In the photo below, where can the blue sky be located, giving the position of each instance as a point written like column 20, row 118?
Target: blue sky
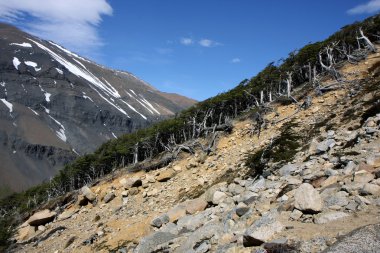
column 197, row 48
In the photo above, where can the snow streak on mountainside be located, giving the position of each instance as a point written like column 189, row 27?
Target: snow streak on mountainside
column 56, row 105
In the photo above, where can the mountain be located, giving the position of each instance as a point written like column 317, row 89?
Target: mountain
column 56, row 105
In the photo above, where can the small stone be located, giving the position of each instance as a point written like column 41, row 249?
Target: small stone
column 241, row 209
column 296, row 214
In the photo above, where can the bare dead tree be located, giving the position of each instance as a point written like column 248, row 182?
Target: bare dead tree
column 370, row 46
column 289, row 81
column 330, row 65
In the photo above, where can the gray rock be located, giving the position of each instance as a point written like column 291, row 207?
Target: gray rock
column 88, row 193
column 41, row 217
column 259, row 185
column 323, row 218
column 193, row 222
column 235, row 189
column 249, row 197
column 159, row 221
column 307, row 199
column 287, row 170
column 264, row 228
column 218, row 197
column 350, row 168
column 337, row 199
column 296, row 214
column 370, row 189
column 153, row 241
column 241, row 209
column 352, row 206
column 109, row 196
column 195, row 239
column 364, row 239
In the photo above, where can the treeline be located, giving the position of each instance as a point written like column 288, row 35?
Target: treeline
column 301, row 67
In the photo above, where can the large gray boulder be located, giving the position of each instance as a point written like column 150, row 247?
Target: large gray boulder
column 153, row 242
column 86, row 191
column 41, row 218
column 364, row 239
column 323, row 218
column 307, row 199
column 264, row 228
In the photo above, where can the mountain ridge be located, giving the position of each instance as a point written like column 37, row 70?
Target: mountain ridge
column 76, row 103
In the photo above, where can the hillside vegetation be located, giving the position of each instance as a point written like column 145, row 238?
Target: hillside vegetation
column 303, row 69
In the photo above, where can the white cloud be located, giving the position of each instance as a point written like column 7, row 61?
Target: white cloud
column 371, row 7
column 208, row 43
column 186, row 41
column 235, row 60
column 72, row 23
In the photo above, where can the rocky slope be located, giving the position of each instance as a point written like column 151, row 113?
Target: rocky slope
column 56, row 105
column 212, row 203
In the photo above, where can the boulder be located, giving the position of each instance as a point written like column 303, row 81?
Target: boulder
column 374, row 161
column 307, row 199
column 153, row 241
column 363, row 177
column 130, row 182
column 327, row 217
column 109, row 196
column 218, row 197
column 86, row 191
column 165, row 175
column 259, row 185
column 287, row 169
column 370, row 189
column 264, row 228
column 364, row 239
column 195, row 205
column 41, row 217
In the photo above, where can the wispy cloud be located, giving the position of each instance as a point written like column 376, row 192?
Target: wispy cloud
column 71, row 23
column 236, row 60
column 208, row 43
column 186, row 41
column 368, row 8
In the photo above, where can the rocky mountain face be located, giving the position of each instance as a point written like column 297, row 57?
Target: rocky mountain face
column 56, row 105
column 326, row 197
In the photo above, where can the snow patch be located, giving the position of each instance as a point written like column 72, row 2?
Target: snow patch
column 87, row 97
column 80, row 72
column 149, row 104
column 36, row 113
column 2, row 84
column 16, row 62
column 114, row 135
column 7, row 104
column 61, row 132
column 14, row 151
column 24, row 44
column 32, row 64
column 47, row 97
column 133, row 109
column 46, row 109
column 59, row 71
